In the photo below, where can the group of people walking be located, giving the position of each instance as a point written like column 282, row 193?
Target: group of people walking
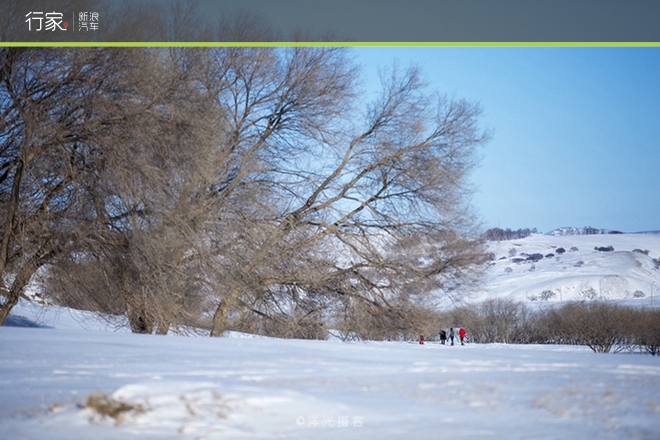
column 461, row 335
column 452, row 335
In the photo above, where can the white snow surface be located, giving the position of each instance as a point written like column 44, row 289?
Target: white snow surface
column 245, row 387
column 621, row 275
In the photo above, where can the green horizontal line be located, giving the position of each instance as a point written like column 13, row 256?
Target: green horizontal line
column 325, row 44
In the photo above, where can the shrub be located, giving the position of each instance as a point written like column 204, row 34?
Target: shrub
column 602, row 326
column 649, row 331
column 594, row 324
column 497, row 320
column 107, row 406
column 589, row 293
column 560, row 250
column 604, row 248
column 547, row 295
column 282, row 326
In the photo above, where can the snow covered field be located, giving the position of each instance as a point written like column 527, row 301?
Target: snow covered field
column 242, row 387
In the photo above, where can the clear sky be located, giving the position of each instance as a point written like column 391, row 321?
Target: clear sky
column 576, row 130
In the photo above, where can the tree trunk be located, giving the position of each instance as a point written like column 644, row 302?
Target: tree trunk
column 14, row 294
column 11, row 216
column 10, row 301
column 139, row 320
column 163, row 327
column 220, row 317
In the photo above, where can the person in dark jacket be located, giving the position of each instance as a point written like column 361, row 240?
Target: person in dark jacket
column 443, row 337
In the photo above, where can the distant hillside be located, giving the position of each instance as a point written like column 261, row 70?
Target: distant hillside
column 560, row 267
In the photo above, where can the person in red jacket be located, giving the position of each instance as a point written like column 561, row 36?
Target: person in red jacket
column 461, row 333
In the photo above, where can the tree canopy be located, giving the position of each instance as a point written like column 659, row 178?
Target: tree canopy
column 252, row 188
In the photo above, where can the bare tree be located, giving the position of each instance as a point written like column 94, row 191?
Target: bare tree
column 136, row 204
column 368, row 212
column 149, row 202
column 96, row 150
column 241, row 183
column 48, row 148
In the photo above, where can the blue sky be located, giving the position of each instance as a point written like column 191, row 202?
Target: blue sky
column 576, row 130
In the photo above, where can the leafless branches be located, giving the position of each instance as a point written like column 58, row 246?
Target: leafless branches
column 247, row 186
column 602, row 326
column 342, row 203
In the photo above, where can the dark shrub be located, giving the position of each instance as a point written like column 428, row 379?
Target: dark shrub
column 547, row 295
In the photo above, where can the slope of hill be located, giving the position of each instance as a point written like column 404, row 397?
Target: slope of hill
column 570, row 267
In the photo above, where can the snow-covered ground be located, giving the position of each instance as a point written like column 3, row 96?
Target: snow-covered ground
column 581, row 272
column 247, row 387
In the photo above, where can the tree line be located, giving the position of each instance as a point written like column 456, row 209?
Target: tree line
column 602, row 326
column 233, row 188
column 499, row 234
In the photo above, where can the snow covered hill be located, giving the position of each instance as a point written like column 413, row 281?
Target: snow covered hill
column 569, row 267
